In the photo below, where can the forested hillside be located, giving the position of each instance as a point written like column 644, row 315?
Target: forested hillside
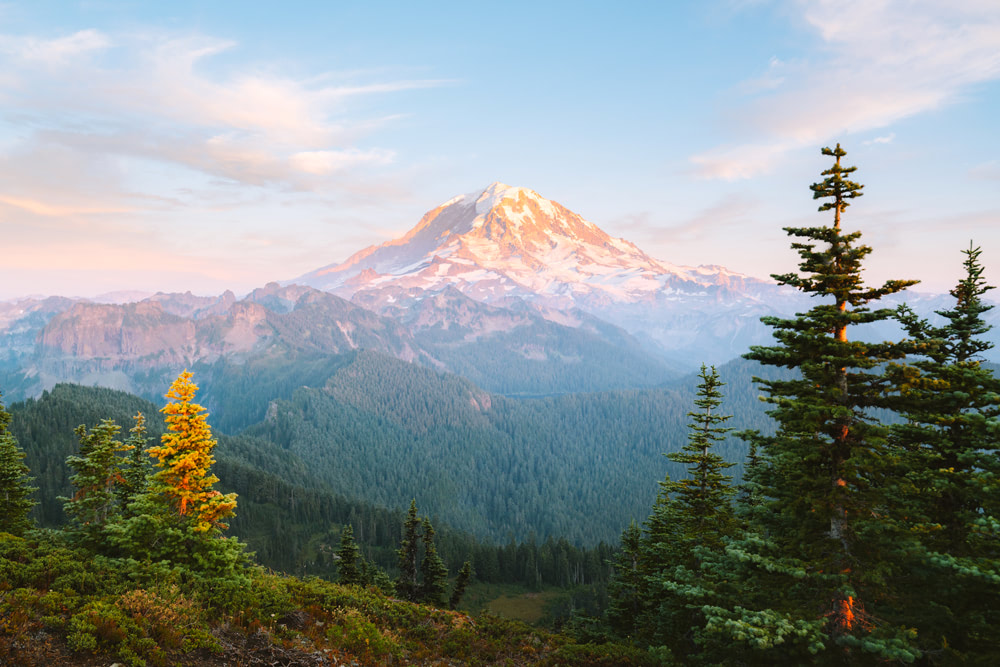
column 286, row 516
column 376, row 430
column 388, row 431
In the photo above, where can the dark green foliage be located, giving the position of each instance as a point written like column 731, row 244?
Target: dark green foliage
column 702, row 501
column 385, row 431
column 665, row 574
column 818, row 550
column 154, row 533
column 285, row 518
column 461, row 583
column 45, row 427
column 408, row 585
column 433, row 571
column 135, row 469
column 97, row 470
column 374, row 576
column 348, row 557
column 15, row 484
column 948, row 477
column 628, row 587
column 423, row 575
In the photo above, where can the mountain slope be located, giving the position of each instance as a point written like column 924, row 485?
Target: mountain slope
column 140, row 347
column 579, row 466
column 510, row 241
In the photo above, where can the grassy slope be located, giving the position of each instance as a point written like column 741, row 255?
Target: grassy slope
column 61, row 606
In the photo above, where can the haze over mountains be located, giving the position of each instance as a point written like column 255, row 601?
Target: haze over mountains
column 502, row 286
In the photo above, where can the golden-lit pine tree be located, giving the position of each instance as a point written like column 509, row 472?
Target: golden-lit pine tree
column 185, row 459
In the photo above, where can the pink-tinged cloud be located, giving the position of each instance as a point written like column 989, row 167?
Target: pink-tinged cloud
column 320, row 163
column 158, row 99
column 57, row 210
column 734, row 163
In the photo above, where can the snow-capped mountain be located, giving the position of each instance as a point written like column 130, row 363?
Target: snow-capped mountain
column 509, row 241
column 508, row 244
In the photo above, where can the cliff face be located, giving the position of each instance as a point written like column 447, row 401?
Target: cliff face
column 129, row 346
column 118, row 333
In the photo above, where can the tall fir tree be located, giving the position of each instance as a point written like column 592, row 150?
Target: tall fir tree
column 349, row 570
column 703, row 501
column 180, row 517
column 135, row 469
column 816, row 559
column 15, row 482
column 949, row 477
column 433, row 571
column 690, row 520
column 407, row 585
column 423, row 575
column 97, row 472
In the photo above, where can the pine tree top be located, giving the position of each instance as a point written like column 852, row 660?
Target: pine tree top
column 835, row 185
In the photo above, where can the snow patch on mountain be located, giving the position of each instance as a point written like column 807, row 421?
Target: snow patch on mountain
column 510, row 241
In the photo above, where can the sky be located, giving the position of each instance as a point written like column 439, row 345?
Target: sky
column 206, row 146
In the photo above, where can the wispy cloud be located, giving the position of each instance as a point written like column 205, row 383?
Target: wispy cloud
column 887, row 139
column 881, row 61
column 161, row 98
column 52, row 52
column 57, row 210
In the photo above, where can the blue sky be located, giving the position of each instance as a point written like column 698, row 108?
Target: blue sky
column 211, row 145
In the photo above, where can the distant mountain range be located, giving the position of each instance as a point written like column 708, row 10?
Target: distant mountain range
column 502, row 286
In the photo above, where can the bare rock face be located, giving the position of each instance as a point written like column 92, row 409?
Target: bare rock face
column 109, row 343
column 194, row 307
column 119, row 332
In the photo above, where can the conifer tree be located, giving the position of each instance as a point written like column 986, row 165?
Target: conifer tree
column 949, row 477
column 433, row 571
column 15, row 484
column 348, row 570
column 461, row 583
column 185, row 459
column 421, row 578
column 407, row 585
column 135, row 469
column 373, row 575
column 817, row 558
column 97, row 473
column 628, row 586
column 180, row 517
column 689, row 522
column 702, row 501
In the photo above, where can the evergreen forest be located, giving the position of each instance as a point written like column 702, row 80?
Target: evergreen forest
column 826, row 500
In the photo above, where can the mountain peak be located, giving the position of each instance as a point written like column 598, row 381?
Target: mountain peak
column 497, row 192
column 510, row 241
